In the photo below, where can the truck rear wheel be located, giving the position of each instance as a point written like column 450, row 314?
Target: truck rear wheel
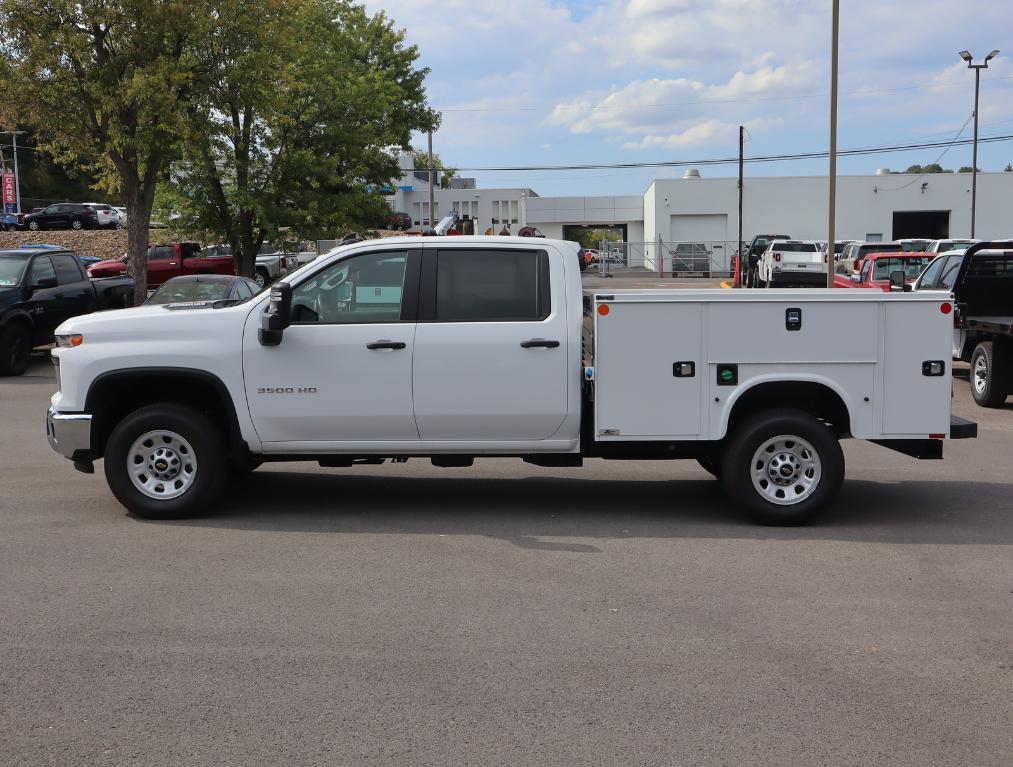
column 783, row 467
column 165, row 462
column 990, row 375
column 262, row 277
column 15, row 349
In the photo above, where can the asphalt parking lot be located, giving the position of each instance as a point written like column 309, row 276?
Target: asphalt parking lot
column 507, row 614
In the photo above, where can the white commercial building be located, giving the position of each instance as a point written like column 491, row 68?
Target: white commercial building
column 702, row 213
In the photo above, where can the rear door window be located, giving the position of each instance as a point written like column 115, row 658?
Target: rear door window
column 68, row 269
column 950, row 270
column 492, row 286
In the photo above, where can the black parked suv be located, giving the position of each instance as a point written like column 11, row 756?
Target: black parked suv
column 40, row 287
column 63, row 215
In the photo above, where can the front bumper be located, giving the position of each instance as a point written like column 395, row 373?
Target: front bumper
column 69, row 434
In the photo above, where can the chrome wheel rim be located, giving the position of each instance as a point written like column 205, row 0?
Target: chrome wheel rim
column 260, row 279
column 76, row 225
column 162, row 465
column 786, row 470
column 980, row 374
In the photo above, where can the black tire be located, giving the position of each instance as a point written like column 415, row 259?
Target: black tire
column 15, row 349
column 711, row 464
column 211, row 466
column 797, row 427
column 991, row 378
column 262, row 278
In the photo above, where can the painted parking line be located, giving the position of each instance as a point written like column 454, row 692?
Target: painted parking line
column 726, row 285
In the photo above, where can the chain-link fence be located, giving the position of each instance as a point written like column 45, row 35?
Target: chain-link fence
column 714, row 258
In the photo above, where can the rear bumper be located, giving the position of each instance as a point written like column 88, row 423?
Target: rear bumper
column 69, row 434
column 800, row 277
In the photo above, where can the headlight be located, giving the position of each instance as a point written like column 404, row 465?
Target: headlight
column 69, row 339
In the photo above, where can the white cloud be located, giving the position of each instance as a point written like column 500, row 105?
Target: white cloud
column 700, row 134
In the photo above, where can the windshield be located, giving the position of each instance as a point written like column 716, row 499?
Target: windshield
column 947, row 246
column 912, row 267
column 176, row 292
column 11, row 269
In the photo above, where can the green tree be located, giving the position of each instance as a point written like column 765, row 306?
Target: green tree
column 1008, row 168
column 311, row 99
column 931, row 168
column 106, row 84
column 444, row 173
column 967, row 169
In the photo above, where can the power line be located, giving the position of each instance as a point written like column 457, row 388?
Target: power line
column 730, row 160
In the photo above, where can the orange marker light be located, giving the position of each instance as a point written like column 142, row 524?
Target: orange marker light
column 603, row 310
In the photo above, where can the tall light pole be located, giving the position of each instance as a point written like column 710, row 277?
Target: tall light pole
column 966, row 56
column 831, row 214
column 17, row 176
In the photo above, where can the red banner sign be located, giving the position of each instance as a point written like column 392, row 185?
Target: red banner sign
column 8, row 184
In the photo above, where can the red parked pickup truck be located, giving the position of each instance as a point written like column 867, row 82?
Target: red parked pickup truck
column 874, row 270
column 167, row 261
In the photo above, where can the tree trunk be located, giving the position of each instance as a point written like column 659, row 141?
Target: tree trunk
column 250, row 239
column 139, row 202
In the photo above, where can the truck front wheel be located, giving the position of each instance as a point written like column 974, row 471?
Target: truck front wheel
column 783, row 467
column 990, row 375
column 15, row 349
column 165, row 462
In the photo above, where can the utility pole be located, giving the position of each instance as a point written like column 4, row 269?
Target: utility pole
column 738, row 245
column 432, row 193
column 832, row 211
column 17, row 176
column 974, row 162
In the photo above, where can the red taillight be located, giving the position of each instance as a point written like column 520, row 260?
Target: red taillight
column 777, row 256
column 946, row 308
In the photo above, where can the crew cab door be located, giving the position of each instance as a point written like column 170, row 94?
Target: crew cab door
column 491, row 347
column 197, row 261
column 342, row 373
column 43, row 301
column 75, row 294
column 163, row 263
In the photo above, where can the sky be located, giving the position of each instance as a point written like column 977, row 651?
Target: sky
column 551, row 82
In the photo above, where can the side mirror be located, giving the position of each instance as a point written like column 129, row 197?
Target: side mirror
column 856, row 278
column 897, row 280
column 278, row 315
column 44, row 282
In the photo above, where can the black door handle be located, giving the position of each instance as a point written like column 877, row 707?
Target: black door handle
column 539, row 343
column 385, row 344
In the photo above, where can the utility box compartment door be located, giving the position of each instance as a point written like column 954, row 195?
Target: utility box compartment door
column 915, row 404
column 637, row 393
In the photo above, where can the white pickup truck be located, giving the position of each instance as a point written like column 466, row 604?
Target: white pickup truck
column 462, row 347
column 793, row 262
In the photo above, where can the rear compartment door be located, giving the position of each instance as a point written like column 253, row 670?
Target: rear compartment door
column 916, row 404
column 644, row 387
